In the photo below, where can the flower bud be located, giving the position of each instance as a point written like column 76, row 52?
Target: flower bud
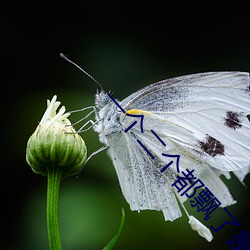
column 55, row 144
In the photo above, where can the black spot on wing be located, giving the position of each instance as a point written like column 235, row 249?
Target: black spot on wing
column 248, row 89
column 212, row 146
column 233, row 119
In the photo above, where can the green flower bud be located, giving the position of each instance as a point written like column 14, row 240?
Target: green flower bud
column 55, row 144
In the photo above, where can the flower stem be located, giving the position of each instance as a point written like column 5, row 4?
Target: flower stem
column 54, row 177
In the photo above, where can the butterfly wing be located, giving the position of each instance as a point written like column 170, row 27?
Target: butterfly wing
column 201, row 118
column 142, row 184
column 209, row 108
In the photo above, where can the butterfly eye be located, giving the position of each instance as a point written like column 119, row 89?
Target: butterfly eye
column 101, row 100
column 105, row 100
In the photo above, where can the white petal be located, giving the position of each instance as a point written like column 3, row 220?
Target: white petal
column 50, row 114
column 200, row 228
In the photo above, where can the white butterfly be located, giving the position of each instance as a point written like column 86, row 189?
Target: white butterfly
column 202, row 120
column 200, row 117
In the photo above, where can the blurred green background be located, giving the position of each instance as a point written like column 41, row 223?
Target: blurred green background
column 125, row 46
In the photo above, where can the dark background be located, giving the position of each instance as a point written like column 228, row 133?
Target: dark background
column 125, row 45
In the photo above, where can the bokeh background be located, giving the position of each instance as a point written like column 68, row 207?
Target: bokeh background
column 125, row 45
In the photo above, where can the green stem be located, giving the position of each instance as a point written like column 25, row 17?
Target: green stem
column 54, row 177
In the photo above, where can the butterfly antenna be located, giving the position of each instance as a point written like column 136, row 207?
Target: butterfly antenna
column 86, row 73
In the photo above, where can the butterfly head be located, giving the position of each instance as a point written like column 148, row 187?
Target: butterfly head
column 101, row 99
column 108, row 116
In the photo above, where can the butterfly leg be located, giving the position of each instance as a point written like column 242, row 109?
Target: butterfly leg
column 92, row 154
column 96, row 152
column 86, row 116
column 81, row 129
column 83, row 109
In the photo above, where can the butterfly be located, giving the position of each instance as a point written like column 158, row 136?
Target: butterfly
column 200, row 117
column 201, row 122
